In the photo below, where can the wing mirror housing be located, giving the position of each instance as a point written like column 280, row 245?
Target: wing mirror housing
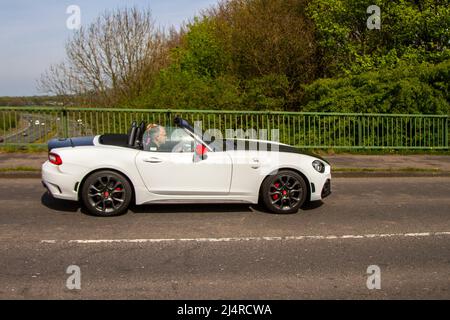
column 201, row 152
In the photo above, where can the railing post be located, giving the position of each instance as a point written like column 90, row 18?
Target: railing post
column 65, row 121
column 169, row 117
column 446, row 132
column 360, row 140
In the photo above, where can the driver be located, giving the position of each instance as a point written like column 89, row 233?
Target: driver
column 154, row 137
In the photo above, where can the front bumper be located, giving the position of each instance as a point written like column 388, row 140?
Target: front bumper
column 326, row 190
column 320, row 184
column 58, row 184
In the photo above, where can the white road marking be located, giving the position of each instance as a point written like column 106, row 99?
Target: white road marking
column 235, row 239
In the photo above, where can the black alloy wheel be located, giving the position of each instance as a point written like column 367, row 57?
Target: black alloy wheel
column 106, row 193
column 284, row 192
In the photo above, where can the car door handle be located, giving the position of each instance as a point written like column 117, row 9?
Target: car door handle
column 255, row 163
column 153, row 160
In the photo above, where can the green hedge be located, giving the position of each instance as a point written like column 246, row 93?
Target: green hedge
column 410, row 89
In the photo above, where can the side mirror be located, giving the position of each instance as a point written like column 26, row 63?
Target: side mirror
column 200, row 152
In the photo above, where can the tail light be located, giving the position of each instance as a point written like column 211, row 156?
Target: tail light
column 55, row 159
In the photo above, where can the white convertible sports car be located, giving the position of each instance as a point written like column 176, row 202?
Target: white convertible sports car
column 109, row 172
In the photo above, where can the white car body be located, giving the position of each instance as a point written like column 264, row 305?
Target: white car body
column 223, row 176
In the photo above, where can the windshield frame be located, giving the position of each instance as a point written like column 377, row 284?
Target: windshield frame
column 198, row 139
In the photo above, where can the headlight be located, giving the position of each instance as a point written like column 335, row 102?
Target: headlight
column 319, row 166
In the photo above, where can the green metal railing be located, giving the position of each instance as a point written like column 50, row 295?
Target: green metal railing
column 30, row 125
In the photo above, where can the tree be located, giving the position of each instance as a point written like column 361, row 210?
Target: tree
column 413, row 31
column 266, row 38
column 407, row 88
column 111, row 60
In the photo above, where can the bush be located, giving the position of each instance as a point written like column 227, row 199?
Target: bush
column 414, row 31
column 177, row 89
column 406, row 89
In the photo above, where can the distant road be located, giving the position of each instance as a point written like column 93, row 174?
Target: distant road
column 39, row 127
column 33, row 132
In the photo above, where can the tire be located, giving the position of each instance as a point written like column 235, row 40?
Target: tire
column 106, row 194
column 284, row 192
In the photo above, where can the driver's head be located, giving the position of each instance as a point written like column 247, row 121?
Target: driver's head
column 157, row 134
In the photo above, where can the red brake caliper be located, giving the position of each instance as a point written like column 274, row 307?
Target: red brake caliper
column 275, row 196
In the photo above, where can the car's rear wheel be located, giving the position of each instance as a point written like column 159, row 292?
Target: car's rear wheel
column 106, row 193
column 284, row 192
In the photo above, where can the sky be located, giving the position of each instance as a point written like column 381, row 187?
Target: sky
column 33, row 33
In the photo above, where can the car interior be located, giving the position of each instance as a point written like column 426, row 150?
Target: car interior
column 134, row 138
column 131, row 140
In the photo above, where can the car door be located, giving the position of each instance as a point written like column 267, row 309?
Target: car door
column 178, row 171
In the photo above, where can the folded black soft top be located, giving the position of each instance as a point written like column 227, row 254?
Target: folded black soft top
column 119, row 140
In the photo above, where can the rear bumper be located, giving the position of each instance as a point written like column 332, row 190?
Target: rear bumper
column 58, row 184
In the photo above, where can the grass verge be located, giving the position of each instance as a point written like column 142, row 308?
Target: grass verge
column 23, row 149
column 19, row 169
column 22, row 169
column 375, row 152
column 387, row 170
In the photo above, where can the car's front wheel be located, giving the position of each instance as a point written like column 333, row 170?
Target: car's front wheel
column 106, row 193
column 284, row 192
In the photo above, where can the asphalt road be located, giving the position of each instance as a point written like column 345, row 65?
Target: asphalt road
column 401, row 225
